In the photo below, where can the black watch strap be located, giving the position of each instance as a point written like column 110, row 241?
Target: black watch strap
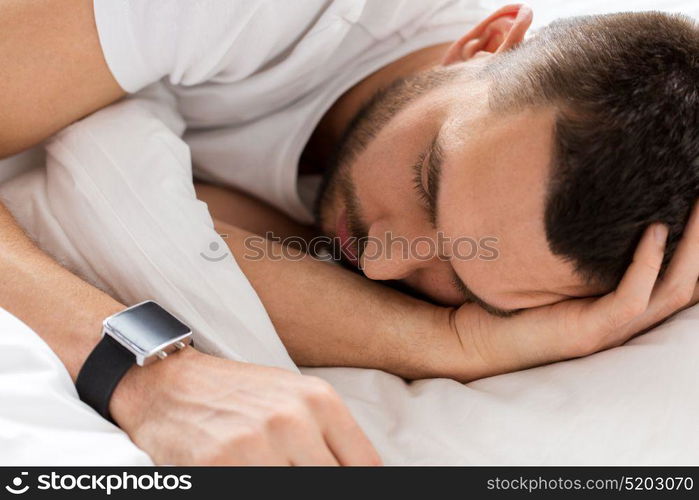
column 101, row 373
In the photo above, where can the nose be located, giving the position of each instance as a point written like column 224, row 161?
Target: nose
column 389, row 256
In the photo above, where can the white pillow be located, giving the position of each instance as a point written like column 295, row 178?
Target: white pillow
column 42, row 421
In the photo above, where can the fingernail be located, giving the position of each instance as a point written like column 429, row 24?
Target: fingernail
column 660, row 233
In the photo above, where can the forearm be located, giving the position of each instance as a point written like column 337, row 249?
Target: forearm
column 55, row 73
column 67, row 313
column 250, row 214
column 329, row 316
column 64, row 310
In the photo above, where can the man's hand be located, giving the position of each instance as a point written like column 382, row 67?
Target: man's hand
column 580, row 327
column 197, row 409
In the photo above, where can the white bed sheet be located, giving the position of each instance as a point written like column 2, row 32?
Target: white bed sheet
column 637, row 404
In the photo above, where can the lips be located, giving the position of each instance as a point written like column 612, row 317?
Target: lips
column 348, row 246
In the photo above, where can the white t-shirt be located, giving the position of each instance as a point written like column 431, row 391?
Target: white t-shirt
column 254, row 77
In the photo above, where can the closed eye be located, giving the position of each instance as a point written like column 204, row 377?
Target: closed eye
column 428, row 195
column 418, row 180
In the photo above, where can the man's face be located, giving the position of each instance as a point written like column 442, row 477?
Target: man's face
column 428, row 161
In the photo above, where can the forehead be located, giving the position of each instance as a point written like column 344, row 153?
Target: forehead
column 494, row 183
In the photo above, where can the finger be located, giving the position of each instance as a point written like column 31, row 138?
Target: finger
column 311, row 449
column 347, row 440
column 632, row 296
column 677, row 287
column 259, row 453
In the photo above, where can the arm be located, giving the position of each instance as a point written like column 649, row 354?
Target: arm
column 66, row 311
column 328, row 316
column 325, row 314
column 177, row 409
column 249, row 214
column 53, row 70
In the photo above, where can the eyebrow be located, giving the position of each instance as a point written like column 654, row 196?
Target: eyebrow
column 469, row 296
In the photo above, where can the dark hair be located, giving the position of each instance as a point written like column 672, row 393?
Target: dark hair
column 625, row 88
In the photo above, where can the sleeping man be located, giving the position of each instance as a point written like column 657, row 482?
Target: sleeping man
column 532, row 199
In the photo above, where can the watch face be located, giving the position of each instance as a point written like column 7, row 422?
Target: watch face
column 147, row 327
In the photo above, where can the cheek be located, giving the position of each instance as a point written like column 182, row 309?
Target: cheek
column 490, row 282
column 382, row 189
column 436, row 283
column 518, row 283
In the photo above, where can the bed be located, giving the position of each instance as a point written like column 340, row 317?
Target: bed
column 636, row 404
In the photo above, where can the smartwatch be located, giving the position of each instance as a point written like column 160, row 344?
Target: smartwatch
column 139, row 335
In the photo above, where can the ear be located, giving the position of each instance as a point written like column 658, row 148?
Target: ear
column 500, row 31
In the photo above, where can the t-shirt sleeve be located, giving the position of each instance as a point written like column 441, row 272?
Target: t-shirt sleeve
column 193, row 41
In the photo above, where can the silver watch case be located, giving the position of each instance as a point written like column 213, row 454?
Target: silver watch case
column 148, row 331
